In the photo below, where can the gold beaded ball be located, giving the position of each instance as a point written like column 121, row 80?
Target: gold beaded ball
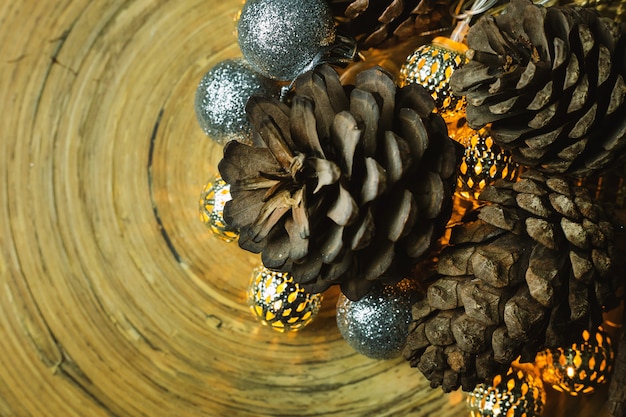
column 483, row 162
column 279, row 302
column 516, row 394
column 214, row 196
column 580, row 368
column 431, row 66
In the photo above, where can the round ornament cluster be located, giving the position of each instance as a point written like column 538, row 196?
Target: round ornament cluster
column 516, row 394
column 221, row 100
column 215, row 195
column 279, row 302
column 281, row 38
column 377, row 325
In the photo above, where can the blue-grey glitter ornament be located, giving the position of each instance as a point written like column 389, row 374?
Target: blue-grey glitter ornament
column 377, row 325
column 221, row 100
column 281, row 38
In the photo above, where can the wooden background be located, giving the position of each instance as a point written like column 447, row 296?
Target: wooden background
column 114, row 298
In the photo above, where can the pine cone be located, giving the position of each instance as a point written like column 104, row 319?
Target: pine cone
column 529, row 270
column 552, row 82
column 354, row 186
column 385, row 23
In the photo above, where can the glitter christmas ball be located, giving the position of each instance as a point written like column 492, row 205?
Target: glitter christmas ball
column 377, row 325
column 431, row 66
column 516, row 394
column 579, row 368
column 221, row 99
column 280, row 38
column 483, row 162
column 212, row 200
column 279, row 302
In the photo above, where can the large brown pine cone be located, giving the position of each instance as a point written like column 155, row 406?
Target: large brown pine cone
column 529, row 270
column 552, row 82
column 383, row 23
column 355, row 183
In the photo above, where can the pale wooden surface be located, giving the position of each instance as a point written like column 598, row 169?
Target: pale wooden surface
column 114, row 298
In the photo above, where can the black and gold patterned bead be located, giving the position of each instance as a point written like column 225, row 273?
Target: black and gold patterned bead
column 483, row 162
column 431, row 66
column 215, row 194
column 279, row 302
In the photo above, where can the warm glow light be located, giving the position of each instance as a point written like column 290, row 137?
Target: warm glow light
column 431, row 66
column 214, row 196
column 580, row 368
column 517, row 394
column 482, row 163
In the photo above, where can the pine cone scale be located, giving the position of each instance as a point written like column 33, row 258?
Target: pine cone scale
column 246, row 210
column 542, row 273
column 344, row 210
column 345, row 135
column 617, row 95
column 411, row 126
column 356, row 7
column 365, row 109
column 392, row 11
column 420, row 240
column 375, row 182
column 302, row 127
column 364, row 233
column 277, row 251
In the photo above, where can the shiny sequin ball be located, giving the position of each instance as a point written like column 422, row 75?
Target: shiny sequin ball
column 279, row 302
column 377, row 325
column 431, row 66
column 579, row 368
column 483, row 162
column 280, row 38
column 212, row 200
column 221, row 99
column 516, row 394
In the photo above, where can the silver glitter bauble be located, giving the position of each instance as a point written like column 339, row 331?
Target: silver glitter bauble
column 377, row 325
column 221, row 100
column 280, row 38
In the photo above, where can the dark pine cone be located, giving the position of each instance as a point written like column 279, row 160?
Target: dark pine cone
column 552, row 82
column 530, row 270
column 383, row 23
column 355, row 183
